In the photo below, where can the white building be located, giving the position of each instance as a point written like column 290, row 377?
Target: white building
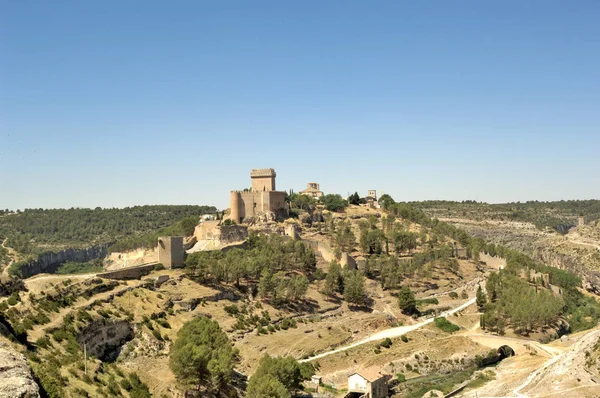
column 368, row 383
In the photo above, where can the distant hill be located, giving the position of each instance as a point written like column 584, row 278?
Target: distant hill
column 558, row 215
column 36, row 230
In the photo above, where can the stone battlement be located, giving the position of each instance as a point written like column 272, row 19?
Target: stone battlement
column 263, row 173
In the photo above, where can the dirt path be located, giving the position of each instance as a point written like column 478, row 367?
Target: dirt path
column 12, row 254
column 391, row 332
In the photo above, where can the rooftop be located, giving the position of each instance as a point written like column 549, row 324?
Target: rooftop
column 371, row 374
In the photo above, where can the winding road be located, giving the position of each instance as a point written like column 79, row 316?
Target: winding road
column 391, row 332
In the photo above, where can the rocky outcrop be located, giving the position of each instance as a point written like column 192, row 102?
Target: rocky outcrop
column 16, row 379
column 49, row 262
column 104, row 338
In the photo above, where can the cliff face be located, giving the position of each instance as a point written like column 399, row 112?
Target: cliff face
column 16, row 379
column 49, row 262
column 104, row 338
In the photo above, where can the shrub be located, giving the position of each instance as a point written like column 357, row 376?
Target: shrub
column 157, row 335
column 126, row 385
column 43, row 342
column 453, row 295
column 400, row 377
column 12, row 300
column 445, row 325
column 404, row 338
column 232, row 309
column 387, row 343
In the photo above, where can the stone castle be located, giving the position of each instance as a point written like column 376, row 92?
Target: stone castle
column 260, row 199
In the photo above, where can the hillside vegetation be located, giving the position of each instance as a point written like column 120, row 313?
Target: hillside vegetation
column 33, row 231
column 557, row 215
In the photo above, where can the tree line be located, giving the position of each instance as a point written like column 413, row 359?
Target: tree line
column 30, row 230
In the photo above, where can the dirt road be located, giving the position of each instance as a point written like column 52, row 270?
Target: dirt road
column 391, row 332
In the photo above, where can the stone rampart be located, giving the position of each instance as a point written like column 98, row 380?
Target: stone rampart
column 135, row 272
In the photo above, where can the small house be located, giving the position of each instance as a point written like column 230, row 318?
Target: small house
column 367, row 383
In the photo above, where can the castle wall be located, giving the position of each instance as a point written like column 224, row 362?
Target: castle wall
column 128, row 273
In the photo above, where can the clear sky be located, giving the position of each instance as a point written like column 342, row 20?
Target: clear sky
column 118, row 103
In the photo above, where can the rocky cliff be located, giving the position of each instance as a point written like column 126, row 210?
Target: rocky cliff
column 104, row 338
column 16, row 379
column 548, row 248
column 49, row 262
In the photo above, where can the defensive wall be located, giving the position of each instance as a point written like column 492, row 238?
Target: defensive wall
column 135, row 272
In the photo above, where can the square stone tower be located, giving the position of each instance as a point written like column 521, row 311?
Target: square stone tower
column 263, row 180
column 170, row 251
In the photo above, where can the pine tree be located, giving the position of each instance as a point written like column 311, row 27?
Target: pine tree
column 406, row 301
column 480, row 300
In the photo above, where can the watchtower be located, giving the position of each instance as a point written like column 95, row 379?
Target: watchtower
column 170, row 251
column 580, row 221
column 372, row 193
column 263, row 180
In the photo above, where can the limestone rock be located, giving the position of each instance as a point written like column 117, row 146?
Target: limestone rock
column 16, row 379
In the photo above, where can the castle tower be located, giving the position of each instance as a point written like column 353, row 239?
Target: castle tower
column 263, row 180
column 234, row 205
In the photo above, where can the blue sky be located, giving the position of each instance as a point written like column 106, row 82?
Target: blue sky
column 117, row 103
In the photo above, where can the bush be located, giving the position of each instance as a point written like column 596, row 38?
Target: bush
column 43, row 342
column 400, row 377
column 157, row 335
column 404, row 338
column 453, row 295
column 12, row 300
column 126, row 385
column 232, row 309
column 445, row 325
column 387, row 343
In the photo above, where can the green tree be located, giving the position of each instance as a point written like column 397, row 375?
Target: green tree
column 354, row 199
column 334, row 281
column 354, row 288
column 345, row 238
column 480, row 298
column 386, row 201
column 274, row 372
column 202, row 355
column 406, row 301
column 334, row 202
column 266, row 386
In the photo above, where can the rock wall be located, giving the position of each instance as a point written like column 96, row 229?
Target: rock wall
column 49, row 262
column 16, row 379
